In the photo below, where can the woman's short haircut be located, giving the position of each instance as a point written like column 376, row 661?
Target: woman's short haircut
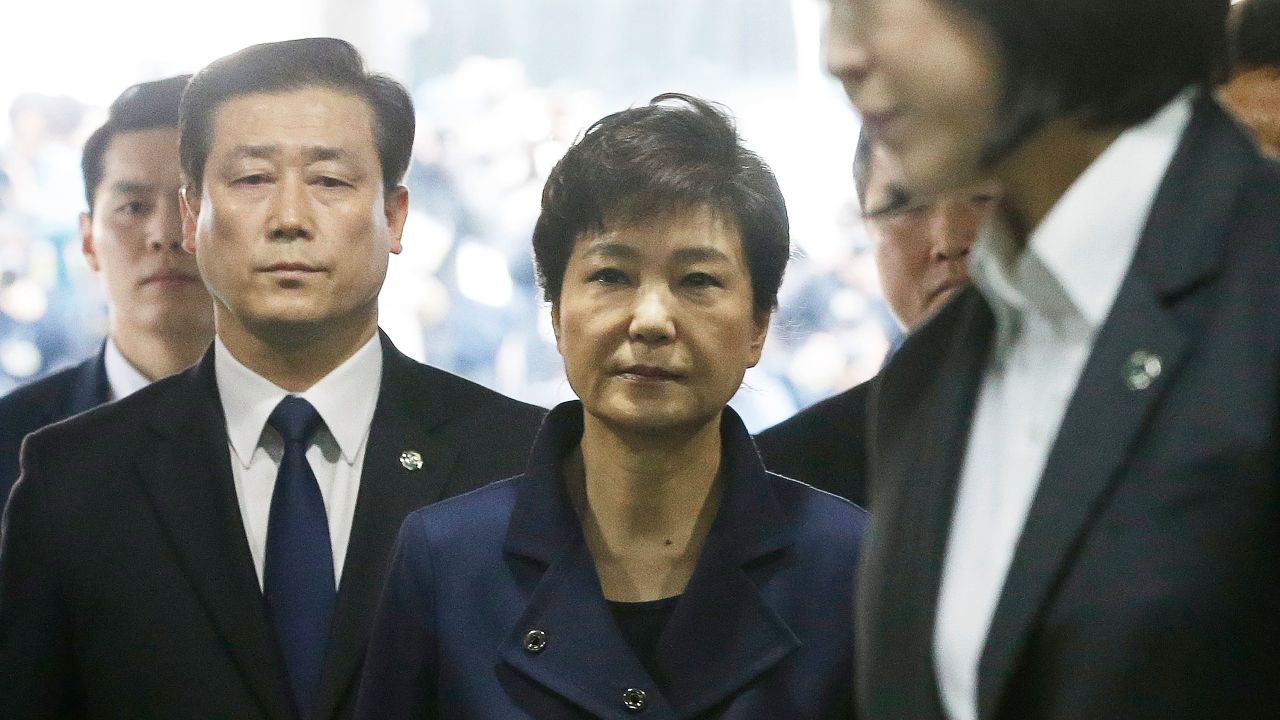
column 292, row 65
column 1112, row 63
column 676, row 153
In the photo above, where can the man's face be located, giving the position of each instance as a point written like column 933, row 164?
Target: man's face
column 926, row 79
column 922, row 245
column 133, row 238
column 291, row 226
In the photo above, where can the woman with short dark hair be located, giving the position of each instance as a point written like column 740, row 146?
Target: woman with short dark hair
column 646, row 562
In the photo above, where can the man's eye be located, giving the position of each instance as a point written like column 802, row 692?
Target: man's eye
column 135, row 207
column 608, row 276
column 331, row 182
column 254, row 179
column 984, row 199
column 700, row 280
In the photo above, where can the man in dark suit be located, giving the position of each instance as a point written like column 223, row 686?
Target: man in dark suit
column 922, row 245
column 160, row 317
column 213, row 546
column 1074, row 466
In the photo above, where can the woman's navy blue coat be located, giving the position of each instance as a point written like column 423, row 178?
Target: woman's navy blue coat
column 763, row 630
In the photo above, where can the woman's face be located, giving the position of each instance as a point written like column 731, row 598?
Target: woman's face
column 925, row 77
column 655, row 321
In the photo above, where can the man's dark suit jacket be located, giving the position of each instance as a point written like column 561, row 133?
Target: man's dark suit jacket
column 44, row 402
column 823, row 445
column 127, row 589
column 763, row 629
column 1146, row 583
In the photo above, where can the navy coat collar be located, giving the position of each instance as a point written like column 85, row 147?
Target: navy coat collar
column 722, row 633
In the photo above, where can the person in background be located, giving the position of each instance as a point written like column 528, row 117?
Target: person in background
column 213, row 545
column 160, row 316
column 646, row 562
column 1252, row 92
column 1073, row 465
column 921, row 245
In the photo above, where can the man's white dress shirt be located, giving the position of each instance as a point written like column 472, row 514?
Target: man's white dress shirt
column 345, row 399
column 123, row 379
column 1049, row 302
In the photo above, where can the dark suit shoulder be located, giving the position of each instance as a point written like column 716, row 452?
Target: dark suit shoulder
column 471, row 399
column 38, row 403
column 818, row 509
column 822, row 445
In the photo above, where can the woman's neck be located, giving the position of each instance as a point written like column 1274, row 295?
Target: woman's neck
column 646, row 504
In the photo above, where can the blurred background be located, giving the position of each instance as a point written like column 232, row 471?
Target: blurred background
column 501, row 88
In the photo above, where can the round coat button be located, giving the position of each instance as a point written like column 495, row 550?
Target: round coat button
column 634, row 699
column 535, row 641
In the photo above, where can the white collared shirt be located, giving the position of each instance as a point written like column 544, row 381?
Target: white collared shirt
column 123, row 379
column 1049, row 303
column 345, row 399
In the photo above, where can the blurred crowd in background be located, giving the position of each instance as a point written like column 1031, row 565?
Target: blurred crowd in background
column 500, row 94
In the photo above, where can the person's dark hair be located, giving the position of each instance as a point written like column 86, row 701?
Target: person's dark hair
column 291, row 65
column 141, row 107
column 1254, row 34
column 1112, row 63
column 677, row 152
column 862, row 165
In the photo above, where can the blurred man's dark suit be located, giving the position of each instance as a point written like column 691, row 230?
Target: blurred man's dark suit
column 1146, row 582
column 823, row 445
column 30, row 407
column 127, row 587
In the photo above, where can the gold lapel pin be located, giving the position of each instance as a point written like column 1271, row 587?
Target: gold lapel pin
column 1142, row 369
column 411, row 460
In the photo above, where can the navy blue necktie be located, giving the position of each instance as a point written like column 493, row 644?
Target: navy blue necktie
column 298, row 580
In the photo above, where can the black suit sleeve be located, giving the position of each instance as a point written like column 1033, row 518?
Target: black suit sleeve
column 35, row 635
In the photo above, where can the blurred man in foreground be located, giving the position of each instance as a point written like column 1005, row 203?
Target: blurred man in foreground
column 159, row 313
column 921, row 245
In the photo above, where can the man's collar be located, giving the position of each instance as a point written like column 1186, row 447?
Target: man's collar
column 123, row 379
column 345, row 399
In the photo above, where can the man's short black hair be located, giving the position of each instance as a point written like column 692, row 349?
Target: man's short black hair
column 676, row 153
column 141, row 107
column 1112, row 63
column 1255, row 34
column 291, row 65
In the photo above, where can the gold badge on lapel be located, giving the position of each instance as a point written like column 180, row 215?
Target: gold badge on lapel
column 411, row 460
column 1142, row 369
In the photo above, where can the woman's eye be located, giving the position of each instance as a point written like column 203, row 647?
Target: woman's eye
column 700, row 280
column 608, row 276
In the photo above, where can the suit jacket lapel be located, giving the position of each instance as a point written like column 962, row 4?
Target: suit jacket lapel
column 1179, row 250
column 390, row 489
column 921, row 411
column 90, row 388
column 189, row 482
column 723, row 634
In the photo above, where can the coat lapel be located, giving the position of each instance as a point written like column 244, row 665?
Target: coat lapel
column 390, row 489
column 90, row 388
column 921, row 410
column 586, row 659
column 189, row 482
column 1180, row 249
column 723, row 634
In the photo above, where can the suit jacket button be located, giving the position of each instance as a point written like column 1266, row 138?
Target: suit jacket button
column 634, row 699
column 535, row 641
